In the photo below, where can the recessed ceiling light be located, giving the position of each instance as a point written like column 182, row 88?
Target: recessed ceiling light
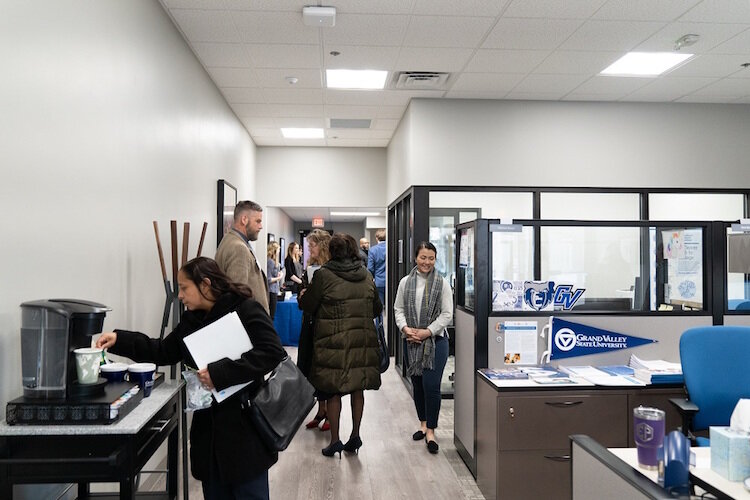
column 364, row 214
column 645, row 63
column 302, row 133
column 355, row 79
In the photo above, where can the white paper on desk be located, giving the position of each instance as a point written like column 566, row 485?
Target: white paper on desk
column 224, row 338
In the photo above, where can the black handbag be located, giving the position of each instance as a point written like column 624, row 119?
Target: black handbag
column 281, row 405
column 385, row 357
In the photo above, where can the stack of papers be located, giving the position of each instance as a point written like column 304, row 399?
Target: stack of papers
column 656, row 371
column 605, row 375
column 510, row 373
column 544, row 371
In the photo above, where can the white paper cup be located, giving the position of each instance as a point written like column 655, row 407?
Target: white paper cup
column 87, row 364
column 143, row 374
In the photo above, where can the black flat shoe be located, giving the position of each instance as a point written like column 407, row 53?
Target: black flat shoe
column 353, row 445
column 432, row 447
column 333, row 449
column 418, row 436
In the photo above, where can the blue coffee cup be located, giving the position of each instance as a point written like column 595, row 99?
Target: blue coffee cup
column 114, row 372
column 143, row 374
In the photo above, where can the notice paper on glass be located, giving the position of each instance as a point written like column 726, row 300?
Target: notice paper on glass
column 520, row 342
column 224, row 338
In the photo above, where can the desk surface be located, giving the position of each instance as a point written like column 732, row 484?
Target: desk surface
column 132, row 423
column 702, row 471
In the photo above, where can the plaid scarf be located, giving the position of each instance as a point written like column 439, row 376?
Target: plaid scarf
column 422, row 356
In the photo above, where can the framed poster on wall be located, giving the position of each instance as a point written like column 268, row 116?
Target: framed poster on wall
column 225, row 202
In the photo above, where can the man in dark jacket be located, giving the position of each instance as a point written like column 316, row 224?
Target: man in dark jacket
column 376, row 263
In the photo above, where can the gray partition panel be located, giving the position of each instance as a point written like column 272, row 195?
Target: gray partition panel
column 737, row 320
column 593, row 480
column 665, row 329
column 463, row 396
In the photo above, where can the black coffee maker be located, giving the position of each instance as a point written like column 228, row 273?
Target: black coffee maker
column 50, row 331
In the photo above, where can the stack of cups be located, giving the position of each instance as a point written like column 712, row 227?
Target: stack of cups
column 143, row 374
column 648, row 427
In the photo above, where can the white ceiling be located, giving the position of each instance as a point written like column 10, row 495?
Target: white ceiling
column 306, row 214
column 494, row 49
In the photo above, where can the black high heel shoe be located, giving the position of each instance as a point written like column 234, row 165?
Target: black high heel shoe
column 353, row 445
column 333, row 449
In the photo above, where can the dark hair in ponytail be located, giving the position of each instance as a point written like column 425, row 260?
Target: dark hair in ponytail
column 424, row 245
column 199, row 268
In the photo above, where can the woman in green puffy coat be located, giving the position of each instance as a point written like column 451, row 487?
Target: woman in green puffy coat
column 343, row 299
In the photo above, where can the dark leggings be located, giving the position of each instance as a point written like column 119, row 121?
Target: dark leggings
column 427, row 387
column 272, row 298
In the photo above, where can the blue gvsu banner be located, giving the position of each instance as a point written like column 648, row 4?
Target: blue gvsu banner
column 568, row 340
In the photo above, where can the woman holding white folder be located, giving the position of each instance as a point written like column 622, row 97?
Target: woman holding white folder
column 226, row 453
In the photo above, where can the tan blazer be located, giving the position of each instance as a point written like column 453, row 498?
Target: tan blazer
column 238, row 262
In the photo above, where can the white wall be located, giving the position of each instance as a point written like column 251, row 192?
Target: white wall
column 108, row 122
column 525, row 143
column 333, row 177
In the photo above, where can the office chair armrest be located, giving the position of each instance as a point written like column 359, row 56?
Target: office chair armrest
column 687, row 409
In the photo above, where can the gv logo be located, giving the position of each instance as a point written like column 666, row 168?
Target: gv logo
column 538, row 294
column 565, row 339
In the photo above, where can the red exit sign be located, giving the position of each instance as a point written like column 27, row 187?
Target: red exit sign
column 317, row 222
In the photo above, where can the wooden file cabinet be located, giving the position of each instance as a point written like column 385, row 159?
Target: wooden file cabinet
column 523, row 449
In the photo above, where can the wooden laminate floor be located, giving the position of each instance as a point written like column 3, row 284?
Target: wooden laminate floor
column 389, row 466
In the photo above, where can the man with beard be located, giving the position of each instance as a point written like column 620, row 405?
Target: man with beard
column 237, row 258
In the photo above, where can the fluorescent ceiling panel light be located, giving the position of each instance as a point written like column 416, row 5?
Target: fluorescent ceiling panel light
column 302, row 133
column 363, row 214
column 645, row 63
column 367, row 79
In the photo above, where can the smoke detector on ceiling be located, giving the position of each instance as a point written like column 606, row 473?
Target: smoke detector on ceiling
column 421, row 80
column 321, row 17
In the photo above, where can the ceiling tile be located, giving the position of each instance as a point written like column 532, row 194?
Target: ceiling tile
column 533, row 96
column 610, row 35
column 368, row 98
column 378, row 143
column 442, row 31
column 266, row 132
column 234, row 77
column 370, row 7
column 486, row 82
column 230, row 55
column 358, row 29
column 273, row 77
column 280, row 5
column 711, row 35
column 295, row 110
column 385, row 124
column 530, row 34
column 482, row 8
column 347, row 143
column 475, row 94
column 206, row 25
column 294, row 96
column 304, row 142
column 259, row 123
column 300, row 122
column 549, row 84
column 284, row 56
column 505, row 61
column 719, row 11
column 703, row 99
column 611, row 85
column 243, row 95
column 710, row 65
column 568, row 62
column 268, row 141
column 360, row 57
column 728, row 87
column 352, row 112
column 392, row 112
column 735, row 45
column 195, row 4
column 274, row 27
column 432, row 59
column 644, row 10
column 582, row 97
column 666, row 89
column 252, row 110
column 568, row 9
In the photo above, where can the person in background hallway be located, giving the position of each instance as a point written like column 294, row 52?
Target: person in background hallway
column 317, row 244
column 236, row 258
column 376, row 263
column 346, row 356
column 364, row 249
column 226, row 452
column 423, row 309
column 293, row 268
column 274, row 274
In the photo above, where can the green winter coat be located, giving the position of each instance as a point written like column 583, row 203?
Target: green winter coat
column 343, row 300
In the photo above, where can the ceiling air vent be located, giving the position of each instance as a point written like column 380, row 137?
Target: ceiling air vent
column 422, row 80
column 350, row 123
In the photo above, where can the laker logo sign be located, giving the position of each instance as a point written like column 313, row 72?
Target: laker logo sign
column 565, row 339
column 538, row 294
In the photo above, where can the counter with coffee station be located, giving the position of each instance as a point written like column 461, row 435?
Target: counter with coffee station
column 69, row 429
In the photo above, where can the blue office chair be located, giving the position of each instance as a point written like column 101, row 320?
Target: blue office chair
column 715, row 366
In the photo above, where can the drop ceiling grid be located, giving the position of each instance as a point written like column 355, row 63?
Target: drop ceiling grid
column 494, row 49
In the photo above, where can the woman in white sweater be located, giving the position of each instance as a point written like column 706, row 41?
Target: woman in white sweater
column 423, row 309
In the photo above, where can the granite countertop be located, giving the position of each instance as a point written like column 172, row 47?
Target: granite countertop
column 130, row 424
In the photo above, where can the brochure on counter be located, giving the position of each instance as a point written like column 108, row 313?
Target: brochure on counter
column 530, row 376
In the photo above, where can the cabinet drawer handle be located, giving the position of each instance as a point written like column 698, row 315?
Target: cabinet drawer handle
column 563, row 404
column 558, row 458
column 160, row 425
column 511, row 412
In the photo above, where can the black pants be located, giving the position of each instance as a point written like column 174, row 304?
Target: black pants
column 427, row 397
column 272, row 298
